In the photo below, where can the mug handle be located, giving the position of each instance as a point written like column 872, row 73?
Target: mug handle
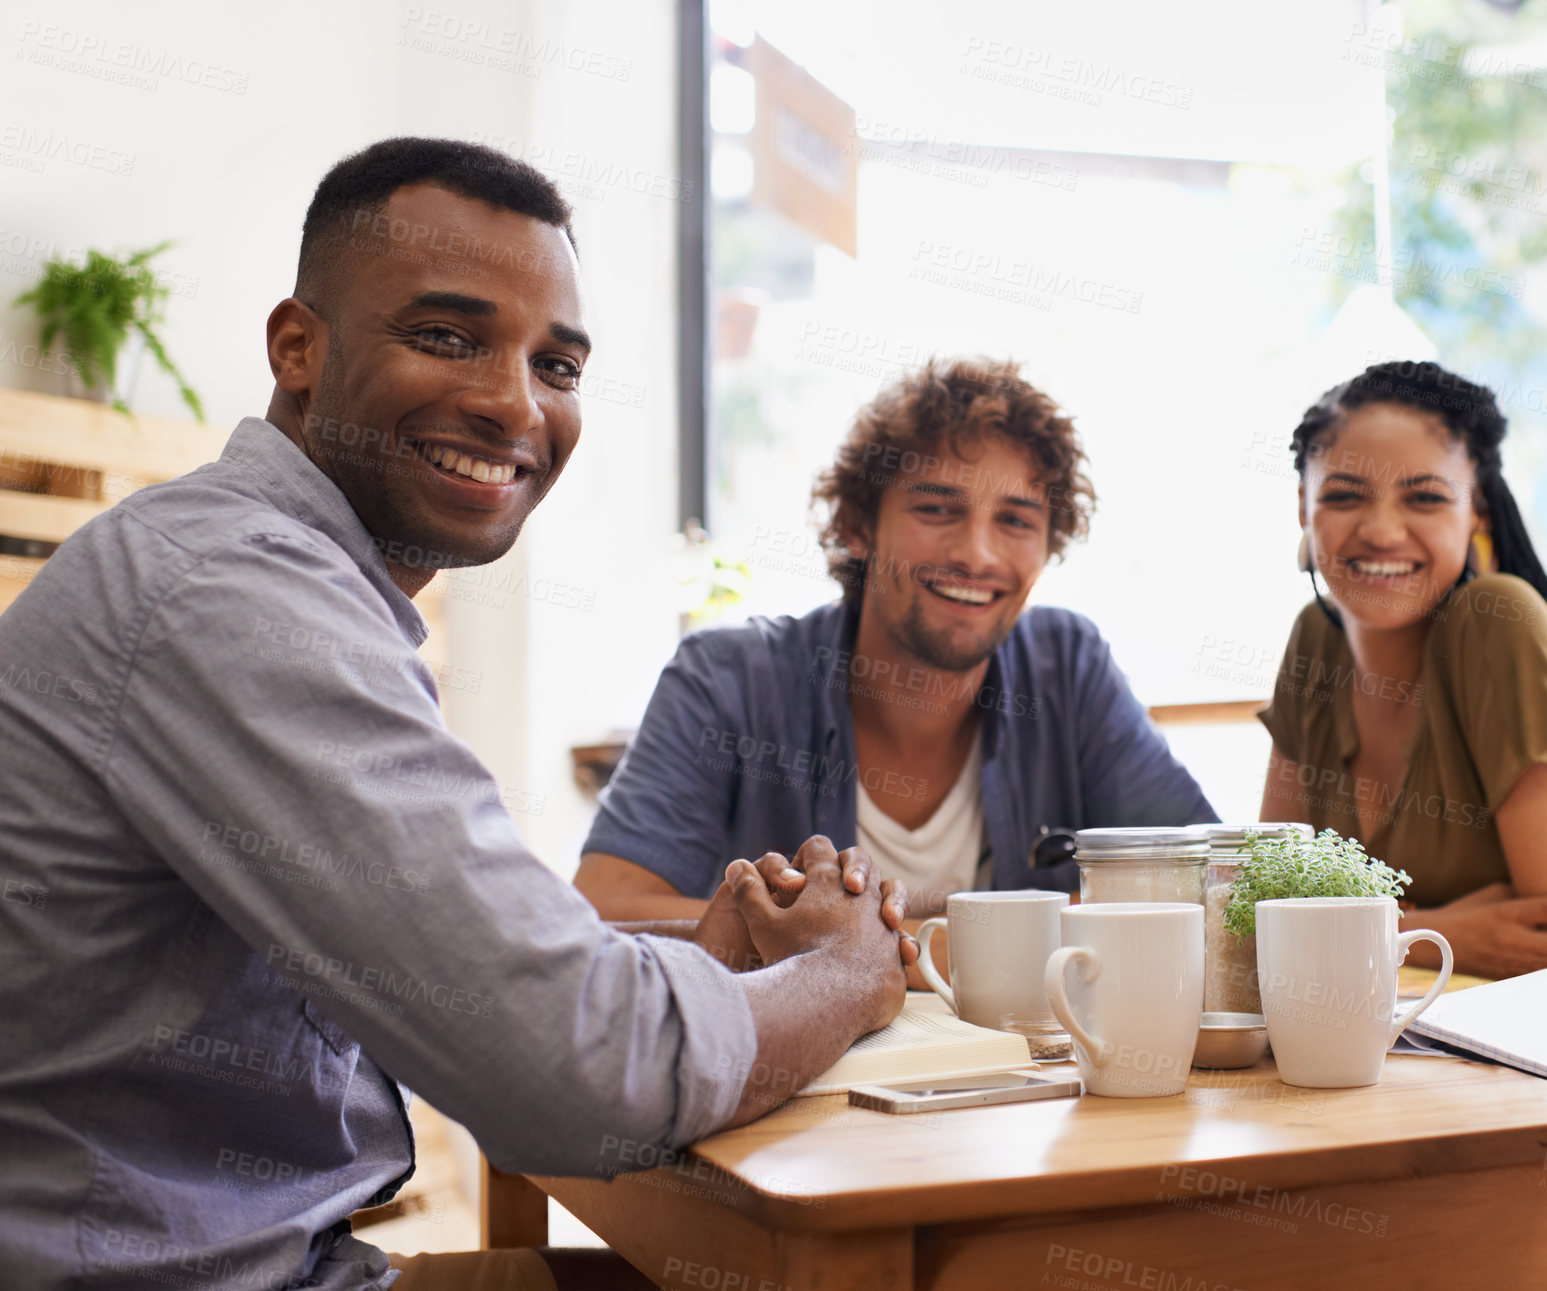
column 927, row 968
column 1053, row 980
column 1400, row 1024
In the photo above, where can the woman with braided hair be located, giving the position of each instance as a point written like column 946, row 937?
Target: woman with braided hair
column 1410, row 710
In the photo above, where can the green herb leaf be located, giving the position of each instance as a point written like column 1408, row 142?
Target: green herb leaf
column 1325, row 866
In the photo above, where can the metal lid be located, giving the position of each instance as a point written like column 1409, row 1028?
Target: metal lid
column 1187, row 843
column 1233, row 837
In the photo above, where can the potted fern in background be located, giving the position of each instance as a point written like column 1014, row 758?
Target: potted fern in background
column 97, row 309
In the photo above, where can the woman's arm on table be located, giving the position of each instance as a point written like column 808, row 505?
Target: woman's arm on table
column 1522, row 822
column 1493, row 933
column 1500, row 930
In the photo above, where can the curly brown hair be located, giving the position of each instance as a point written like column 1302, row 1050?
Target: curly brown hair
column 948, row 404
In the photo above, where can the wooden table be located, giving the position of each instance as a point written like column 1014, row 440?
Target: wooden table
column 1436, row 1177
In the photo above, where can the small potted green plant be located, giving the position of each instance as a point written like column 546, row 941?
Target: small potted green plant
column 1327, row 865
column 95, row 307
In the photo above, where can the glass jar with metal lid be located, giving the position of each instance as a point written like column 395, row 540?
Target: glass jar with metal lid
column 1230, row 962
column 1226, row 841
column 1142, row 864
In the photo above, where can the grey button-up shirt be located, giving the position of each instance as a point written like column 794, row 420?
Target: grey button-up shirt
column 250, row 882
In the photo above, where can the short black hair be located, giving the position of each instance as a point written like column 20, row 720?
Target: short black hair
column 365, row 180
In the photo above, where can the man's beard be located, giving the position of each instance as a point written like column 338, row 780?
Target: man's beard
column 935, row 648
column 365, row 477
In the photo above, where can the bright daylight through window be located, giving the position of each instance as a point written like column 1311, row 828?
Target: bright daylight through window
column 1185, row 232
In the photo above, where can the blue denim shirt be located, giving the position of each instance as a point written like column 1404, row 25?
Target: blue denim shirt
column 748, row 746
column 250, row 882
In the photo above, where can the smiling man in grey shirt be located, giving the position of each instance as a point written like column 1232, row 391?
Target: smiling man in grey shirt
column 254, row 890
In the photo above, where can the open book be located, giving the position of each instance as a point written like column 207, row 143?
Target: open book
column 925, row 1041
column 1505, row 1021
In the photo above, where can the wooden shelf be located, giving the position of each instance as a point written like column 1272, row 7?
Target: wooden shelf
column 64, row 461
column 45, row 428
column 44, row 518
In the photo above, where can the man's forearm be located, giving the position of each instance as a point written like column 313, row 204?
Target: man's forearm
column 622, row 890
column 808, row 1010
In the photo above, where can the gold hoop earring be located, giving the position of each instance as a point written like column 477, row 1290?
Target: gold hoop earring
column 1480, row 554
column 1305, row 562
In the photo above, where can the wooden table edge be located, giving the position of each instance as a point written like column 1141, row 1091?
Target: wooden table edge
column 924, row 1204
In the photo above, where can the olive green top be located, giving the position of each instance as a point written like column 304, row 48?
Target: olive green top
column 1482, row 720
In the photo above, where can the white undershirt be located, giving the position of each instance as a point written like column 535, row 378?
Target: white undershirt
column 942, row 855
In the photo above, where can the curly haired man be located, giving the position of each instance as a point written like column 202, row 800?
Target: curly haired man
column 928, row 716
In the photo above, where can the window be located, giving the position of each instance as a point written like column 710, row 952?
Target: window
column 1167, row 215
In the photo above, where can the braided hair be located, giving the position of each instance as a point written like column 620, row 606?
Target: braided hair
column 1469, row 412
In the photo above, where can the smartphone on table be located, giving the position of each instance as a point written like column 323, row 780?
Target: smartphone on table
column 963, row 1091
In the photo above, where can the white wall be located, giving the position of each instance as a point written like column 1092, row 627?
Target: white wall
column 584, row 595
column 212, row 124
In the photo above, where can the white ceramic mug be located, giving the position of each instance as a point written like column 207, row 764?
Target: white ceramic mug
column 1328, row 970
column 999, row 944
column 1135, row 1010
